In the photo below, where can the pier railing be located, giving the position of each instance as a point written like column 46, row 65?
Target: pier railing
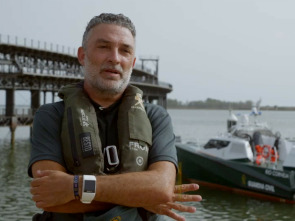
column 18, row 111
column 39, row 45
column 21, row 116
column 59, row 49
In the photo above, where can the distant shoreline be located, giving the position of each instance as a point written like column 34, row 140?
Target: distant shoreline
column 261, row 108
column 214, row 104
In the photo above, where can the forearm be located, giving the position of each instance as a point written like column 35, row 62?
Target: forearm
column 75, row 206
column 138, row 189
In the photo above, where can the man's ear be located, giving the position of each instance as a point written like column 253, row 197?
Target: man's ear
column 81, row 55
column 134, row 62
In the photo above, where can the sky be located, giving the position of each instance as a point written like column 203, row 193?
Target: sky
column 230, row 50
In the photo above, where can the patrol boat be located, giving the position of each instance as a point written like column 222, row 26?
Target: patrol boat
column 249, row 159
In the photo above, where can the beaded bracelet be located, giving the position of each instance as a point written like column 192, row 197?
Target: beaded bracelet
column 76, row 187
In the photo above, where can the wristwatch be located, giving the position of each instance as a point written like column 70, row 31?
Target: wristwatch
column 88, row 188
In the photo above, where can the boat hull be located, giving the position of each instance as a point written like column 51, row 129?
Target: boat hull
column 242, row 177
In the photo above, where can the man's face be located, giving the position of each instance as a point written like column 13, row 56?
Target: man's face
column 108, row 58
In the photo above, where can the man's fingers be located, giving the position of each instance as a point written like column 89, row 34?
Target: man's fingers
column 186, row 187
column 42, row 173
column 166, row 209
column 33, row 190
column 187, row 198
column 181, row 207
column 37, row 181
column 173, row 215
column 40, row 204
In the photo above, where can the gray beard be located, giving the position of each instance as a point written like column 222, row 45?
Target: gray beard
column 106, row 87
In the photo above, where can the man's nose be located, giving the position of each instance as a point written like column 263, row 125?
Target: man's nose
column 114, row 56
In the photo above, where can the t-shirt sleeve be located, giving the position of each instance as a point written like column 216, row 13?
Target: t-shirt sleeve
column 45, row 141
column 163, row 146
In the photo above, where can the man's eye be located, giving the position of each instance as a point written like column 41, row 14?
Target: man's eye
column 102, row 46
column 127, row 51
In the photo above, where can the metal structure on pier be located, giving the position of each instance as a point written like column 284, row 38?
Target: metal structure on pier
column 42, row 71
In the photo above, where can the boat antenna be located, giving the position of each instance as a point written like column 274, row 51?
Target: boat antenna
column 258, row 105
column 256, row 109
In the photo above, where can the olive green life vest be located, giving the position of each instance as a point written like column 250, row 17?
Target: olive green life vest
column 81, row 144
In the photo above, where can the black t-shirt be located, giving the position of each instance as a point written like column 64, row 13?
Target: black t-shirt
column 46, row 140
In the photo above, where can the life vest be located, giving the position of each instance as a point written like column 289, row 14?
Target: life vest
column 270, row 153
column 274, row 155
column 81, row 144
column 259, row 158
column 266, row 152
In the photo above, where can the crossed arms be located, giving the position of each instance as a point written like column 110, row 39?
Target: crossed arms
column 154, row 190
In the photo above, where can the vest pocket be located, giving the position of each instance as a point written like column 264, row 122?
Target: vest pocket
column 139, row 126
column 81, row 146
column 134, row 156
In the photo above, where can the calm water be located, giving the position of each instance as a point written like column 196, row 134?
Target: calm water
column 191, row 125
column 15, row 202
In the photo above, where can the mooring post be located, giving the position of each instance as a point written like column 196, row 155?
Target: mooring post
column 13, row 125
column 10, row 113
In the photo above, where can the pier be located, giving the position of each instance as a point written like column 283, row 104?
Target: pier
column 41, row 70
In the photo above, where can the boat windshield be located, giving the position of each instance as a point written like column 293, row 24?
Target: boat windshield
column 216, row 144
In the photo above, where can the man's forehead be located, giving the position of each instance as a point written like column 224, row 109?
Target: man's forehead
column 112, row 31
column 106, row 41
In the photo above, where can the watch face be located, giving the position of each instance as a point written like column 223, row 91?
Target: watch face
column 89, row 186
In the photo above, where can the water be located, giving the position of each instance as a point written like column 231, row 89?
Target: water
column 191, row 125
column 15, row 201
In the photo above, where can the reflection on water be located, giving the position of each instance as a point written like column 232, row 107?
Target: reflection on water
column 15, row 202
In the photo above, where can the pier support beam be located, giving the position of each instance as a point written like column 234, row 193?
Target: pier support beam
column 35, row 104
column 159, row 100
column 35, row 100
column 53, row 94
column 162, row 101
column 44, row 97
column 9, row 112
column 145, row 98
column 13, row 125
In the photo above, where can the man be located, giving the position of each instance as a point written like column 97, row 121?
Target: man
column 120, row 167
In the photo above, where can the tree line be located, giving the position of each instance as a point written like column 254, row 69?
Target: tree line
column 211, row 103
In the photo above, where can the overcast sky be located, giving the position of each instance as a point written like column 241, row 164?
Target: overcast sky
column 231, row 50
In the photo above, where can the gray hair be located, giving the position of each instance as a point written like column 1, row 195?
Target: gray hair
column 108, row 18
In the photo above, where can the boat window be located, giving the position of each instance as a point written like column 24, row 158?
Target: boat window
column 216, row 144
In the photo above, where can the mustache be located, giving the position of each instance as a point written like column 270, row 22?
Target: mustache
column 116, row 68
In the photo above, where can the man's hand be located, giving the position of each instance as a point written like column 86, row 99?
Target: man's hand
column 52, row 188
column 166, row 209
